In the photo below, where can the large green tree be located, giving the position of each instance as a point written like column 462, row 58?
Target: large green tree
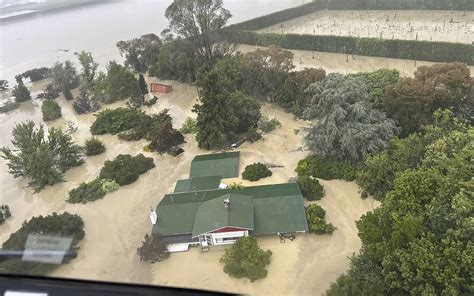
column 419, row 242
column 345, row 125
column 118, row 84
column 140, row 53
column 20, row 92
column 64, row 77
column 198, row 23
column 412, row 101
column 43, row 160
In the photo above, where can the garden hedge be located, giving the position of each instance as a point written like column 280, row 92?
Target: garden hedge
column 390, row 48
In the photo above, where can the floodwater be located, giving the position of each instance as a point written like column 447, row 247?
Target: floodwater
column 43, row 40
column 427, row 25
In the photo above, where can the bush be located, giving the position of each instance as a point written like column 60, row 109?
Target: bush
column 114, row 121
column 4, row 213
column 151, row 102
column 246, row 259
column 36, row 74
column 267, row 125
column 84, row 104
column 9, row 106
column 109, row 185
column 21, row 93
column 87, row 192
column 253, row 135
column 50, row 93
column 125, row 169
column 235, row 185
column 326, row 168
column 94, row 146
column 316, row 224
column 189, row 126
column 50, row 110
column 311, row 188
column 256, row 171
column 153, row 249
column 59, row 225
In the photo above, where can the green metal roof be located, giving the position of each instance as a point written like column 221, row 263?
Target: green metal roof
column 198, row 184
column 218, row 164
column 277, row 208
column 212, row 214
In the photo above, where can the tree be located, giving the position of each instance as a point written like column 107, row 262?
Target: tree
column 166, row 137
column 316, row 224
column 153, row 249
column 118, row 84
column 42, row 160
column 84, row 104
column 4, row 213
column 346, row 126
column 222, row 113
column 36, row 74
column 198, row 22
column 64, row 77
column 50, row 93
column 63, row 225
column 89, row 70
column 140, row 53
column 3, row 84
column 419, row 241
column 20, row 92
column 377, row 82
column 189, row 126
column 142, row 84
column 412, row 101
column 246, row 259
column 256, row 171
column 50, row 110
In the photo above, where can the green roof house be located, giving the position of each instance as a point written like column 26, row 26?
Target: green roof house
column 199, row 213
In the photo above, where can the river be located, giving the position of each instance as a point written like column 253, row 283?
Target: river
column 43, row 40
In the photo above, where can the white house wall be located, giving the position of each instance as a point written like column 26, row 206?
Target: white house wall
column 218, row 238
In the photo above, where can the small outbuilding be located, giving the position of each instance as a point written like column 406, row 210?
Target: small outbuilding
column 160, row 88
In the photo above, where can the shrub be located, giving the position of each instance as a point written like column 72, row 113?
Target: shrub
column 125, row 169
column 113, row 121
column 326, row 168
column 21, row 93
column 256, row 171
column 164, row 138
column 68, row 94
column 50, row 93
column 236, row 185
column 189, row 126
column 109, row 185
column 253, row 135
column 4, row 213
column 50, row 110
column 246, row 259
column 59, row 225
column 267, row 125
column 151, row 102
column 316, row 224
column 311, row 188
column 87, row 192
column 94, row 146
column 84, row 104
column 9, row 106
column 153, row 249
column 36, row 74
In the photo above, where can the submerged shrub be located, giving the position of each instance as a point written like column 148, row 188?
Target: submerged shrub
column 267, row 125
column 153, row 249
column 316, row 223
column 51, row 110
column 311, row 188
column 4, row 213
column 326, row 168
column 94, row 146
column 109, row 185
column 256, row 171
column 189, row 126
column 87, row 192
column 253, row 135
column 125, row 169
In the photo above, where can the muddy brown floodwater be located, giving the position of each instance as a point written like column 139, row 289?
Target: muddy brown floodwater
column 116, row 224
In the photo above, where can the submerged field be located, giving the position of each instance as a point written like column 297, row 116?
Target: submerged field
column 116, row 224
column 427, row 25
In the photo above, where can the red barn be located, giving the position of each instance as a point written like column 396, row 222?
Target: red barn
column 161, row 88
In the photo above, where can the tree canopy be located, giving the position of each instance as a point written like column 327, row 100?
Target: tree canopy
column 140, row 53
column 246, row 259
column 420, row 240
column 345, row 125
column 198, row 22
column 43, row 160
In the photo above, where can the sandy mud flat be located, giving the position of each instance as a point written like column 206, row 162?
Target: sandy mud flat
column 428, row 25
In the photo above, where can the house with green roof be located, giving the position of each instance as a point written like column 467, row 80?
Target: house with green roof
column 198, row 212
